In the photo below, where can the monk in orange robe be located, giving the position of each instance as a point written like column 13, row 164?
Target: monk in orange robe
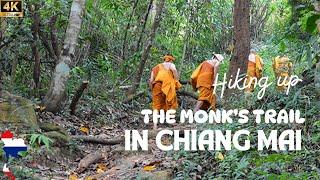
column 164, row 82
column 254, row 71
column 202, row 79
column 282, row 67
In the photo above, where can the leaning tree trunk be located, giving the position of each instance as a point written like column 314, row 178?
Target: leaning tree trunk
column 57, row 93
column 147, row 46
column 241, row 23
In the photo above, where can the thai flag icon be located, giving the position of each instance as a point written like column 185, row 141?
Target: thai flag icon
column 12, row 146
column 8, row 173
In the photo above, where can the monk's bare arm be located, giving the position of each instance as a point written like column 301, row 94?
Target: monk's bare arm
column 151, row 80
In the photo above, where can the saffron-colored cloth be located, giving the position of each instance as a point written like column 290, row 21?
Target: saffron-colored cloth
column 208, row 97
column 158, row 98
column 282, row 69
column 203, row 76
column 194, row 77
column 202, row 79
column 254, row 71
column 164, row 88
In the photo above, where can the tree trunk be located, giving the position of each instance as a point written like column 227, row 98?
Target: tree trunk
column 53, row 36
column 125, row 44
column 57, row 93
column 35, row 33
column 241, row 18
column 147, row 47
column 3, row 26
column 44, row 39
column 144, row 21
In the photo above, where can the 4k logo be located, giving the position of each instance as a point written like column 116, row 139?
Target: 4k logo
column 11, row 8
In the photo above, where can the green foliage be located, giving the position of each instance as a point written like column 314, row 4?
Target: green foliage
column 308, row 22
column 273, row 158
column 255, row 164
column 39, row 139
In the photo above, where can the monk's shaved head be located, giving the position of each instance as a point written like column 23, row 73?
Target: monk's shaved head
column 168, row 58
column 218, row 57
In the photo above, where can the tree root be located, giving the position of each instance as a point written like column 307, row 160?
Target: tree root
column 102, row 153
column 90, row 159
column 115, row 141
column 98, row 140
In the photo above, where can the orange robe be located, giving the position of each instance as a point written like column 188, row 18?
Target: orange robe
column 282, row 69
column 164, row 88
column 202, row 79
column 254, row 71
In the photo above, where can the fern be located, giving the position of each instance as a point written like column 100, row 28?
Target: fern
column 39, row 139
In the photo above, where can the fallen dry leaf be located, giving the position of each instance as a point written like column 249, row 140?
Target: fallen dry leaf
column 88, row 178
column 99, row 171
column 220, row 156
column 73, row 176
column 40, row 108
column 101, row 168
column 85, row 130
column 149, row 168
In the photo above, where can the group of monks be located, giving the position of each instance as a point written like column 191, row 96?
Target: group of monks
column 281, row 65
column 164, row 83
column 164, row 80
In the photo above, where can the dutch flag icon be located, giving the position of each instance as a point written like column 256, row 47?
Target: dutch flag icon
column 12, row 146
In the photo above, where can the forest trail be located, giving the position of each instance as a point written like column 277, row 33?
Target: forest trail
column 102, row 161
column 139, row 165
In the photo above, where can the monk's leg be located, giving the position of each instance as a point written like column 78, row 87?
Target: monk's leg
column 251, row 74
column 198, row 106
column 249, row 84
column 206, row 98
column 156, row 105
column 213, row 102
column 156, row 102
column 163, row 102
column 161, row 106
column 201, row 99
